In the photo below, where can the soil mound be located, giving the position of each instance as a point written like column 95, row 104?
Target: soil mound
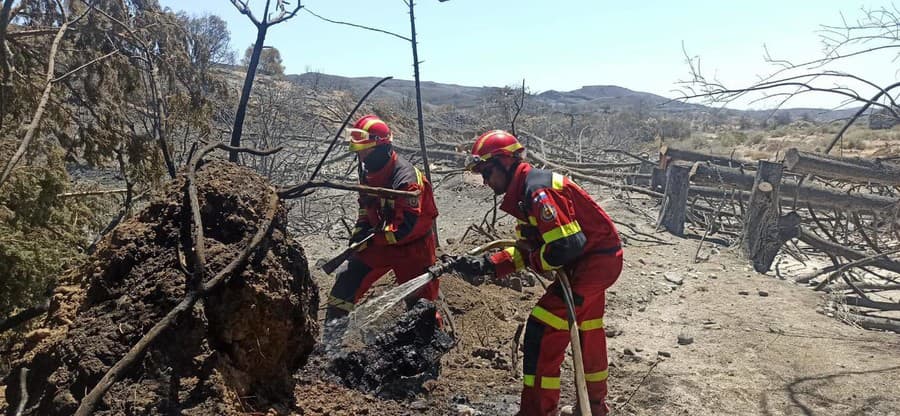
column 233, row 352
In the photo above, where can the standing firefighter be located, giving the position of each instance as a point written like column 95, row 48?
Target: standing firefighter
column 402, row 240
column 559, row 226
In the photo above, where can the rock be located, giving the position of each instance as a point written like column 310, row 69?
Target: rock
column 463, row 410
column 450, row 241
column 612, row 331
column 459, row 399
column 664, row 354
column 627, row 351
column 567, row 410
column 674, row 278
column 684, row 339
column 486, row 353
column 743, row 293
column 636, row 349
column 763, row 293
column 418, row 405
column 642, row 308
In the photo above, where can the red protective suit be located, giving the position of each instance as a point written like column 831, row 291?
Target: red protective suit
column 566, row 229
column 403, row 239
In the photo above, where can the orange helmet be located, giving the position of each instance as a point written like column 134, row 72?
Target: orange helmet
column 493, row 143
column 369, row 131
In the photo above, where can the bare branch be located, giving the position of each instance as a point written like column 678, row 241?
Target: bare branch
column 357, row 26
column 285, row 15
column 243, row 8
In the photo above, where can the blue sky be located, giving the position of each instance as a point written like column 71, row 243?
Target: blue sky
column 560, row 45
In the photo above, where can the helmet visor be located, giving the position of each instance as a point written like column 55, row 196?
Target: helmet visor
column 359, row 139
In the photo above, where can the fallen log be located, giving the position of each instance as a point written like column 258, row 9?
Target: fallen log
column 589, row 178
column 868, row 303
column 666, row 151
column 863, row 286
column 601, row 165
column 817, row 196
column 444, row 154
column 874, row 322
column 847, row 169
column 842, row 251
column 548, row 143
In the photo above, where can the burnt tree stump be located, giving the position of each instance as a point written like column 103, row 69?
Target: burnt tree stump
column 671, row 213
column 658, row 179
column 761, row 240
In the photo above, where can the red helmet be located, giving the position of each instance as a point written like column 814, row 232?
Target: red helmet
column 494, row 143
column 369, row 131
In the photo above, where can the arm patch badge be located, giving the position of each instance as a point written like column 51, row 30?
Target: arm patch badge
column 548, row 214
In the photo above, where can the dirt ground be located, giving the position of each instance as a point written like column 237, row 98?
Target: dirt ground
column 760, row 345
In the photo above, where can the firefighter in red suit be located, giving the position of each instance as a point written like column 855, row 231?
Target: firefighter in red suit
column 403, row 241
column 559, row 226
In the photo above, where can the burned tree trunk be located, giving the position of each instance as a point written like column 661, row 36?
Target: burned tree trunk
column 761, row 242
column 671, row 214
column 847, row 169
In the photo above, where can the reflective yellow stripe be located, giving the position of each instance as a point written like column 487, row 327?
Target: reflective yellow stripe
column 389, row 236
column 513, row 147
column 419, row 177
column 371, row 123
column 598, row 376
column 544, row 264
column 528, row 380
column 362, row 212
column 340, row 303
column 557, row 181
column 549, row 318
column 591, row 324
column 532, row 220
column 355, row 147
column 516, row 256
column 550, row 383
column 561, row 231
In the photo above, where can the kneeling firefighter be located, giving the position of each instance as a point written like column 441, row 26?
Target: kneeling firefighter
column 402, row 240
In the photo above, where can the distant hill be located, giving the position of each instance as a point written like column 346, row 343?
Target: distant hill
column 587, row 99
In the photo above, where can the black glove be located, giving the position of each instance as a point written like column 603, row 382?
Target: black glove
column 474, row 269
column 360, row 233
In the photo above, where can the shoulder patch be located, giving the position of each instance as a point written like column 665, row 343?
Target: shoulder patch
column 548, row 213
column 541, row 196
